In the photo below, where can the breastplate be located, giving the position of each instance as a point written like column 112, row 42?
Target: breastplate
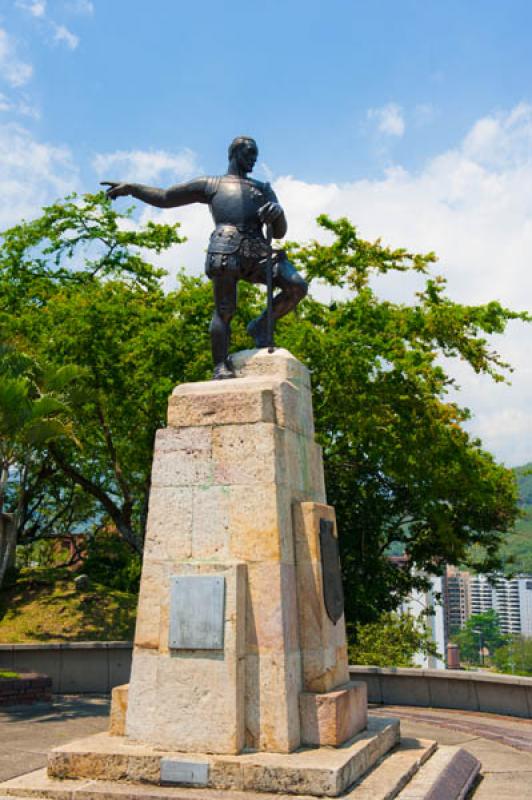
column 236, row 202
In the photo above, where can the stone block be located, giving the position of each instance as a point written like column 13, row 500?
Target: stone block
column 169, row 525
column 272, row 624
column 244, row 454
column 280, row 364
column 211, row 523
column 154, row 584
column 221, row 403
column 273, row 685
column 117, row 722
column 302, row 466
column 193, row 700
column 334, row 717
column 308, row 771
column 260, row 523
column 323, row 643
column 182, row 457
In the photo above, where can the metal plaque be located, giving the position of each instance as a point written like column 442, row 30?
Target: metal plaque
column 333, row 591
column 196, row 612
column 193, row 773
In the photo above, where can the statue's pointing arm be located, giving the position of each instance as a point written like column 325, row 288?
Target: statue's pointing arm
column 182, row 194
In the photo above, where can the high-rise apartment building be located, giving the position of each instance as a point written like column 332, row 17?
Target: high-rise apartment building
column 511, row 598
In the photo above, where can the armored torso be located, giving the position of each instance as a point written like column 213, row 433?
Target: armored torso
column 236, row 201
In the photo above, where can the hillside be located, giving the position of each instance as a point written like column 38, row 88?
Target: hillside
column 518, row 547
column 44, row 606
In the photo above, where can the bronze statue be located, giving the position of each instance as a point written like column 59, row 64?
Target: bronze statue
column 238, row 249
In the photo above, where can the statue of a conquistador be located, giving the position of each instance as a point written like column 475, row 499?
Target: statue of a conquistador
column 238, row 249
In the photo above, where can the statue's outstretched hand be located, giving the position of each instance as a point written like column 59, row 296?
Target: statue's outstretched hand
column 269, row 212
column 116, row 189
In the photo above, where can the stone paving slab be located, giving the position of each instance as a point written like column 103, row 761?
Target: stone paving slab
column 512, row 731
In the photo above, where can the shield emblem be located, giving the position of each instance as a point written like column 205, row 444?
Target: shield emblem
column 333, row 591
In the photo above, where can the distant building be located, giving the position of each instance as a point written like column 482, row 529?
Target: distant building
column 456, row 599
column 466, row 594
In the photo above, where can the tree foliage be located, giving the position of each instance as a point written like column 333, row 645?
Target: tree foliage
column 77, row 288
column 392, row 641
column 479, row 632
column 514, row 657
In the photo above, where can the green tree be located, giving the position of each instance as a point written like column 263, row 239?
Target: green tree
column 400, row 469
column 392, row 641
column 514, row 657
column 33, row 415
column 480, row 631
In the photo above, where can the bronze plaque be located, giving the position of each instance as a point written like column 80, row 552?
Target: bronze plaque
column 333, row 591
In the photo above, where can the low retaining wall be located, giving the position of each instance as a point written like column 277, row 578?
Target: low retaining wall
column 28, row 688
column 97, row 667
column 468, row 691
column 77, row 668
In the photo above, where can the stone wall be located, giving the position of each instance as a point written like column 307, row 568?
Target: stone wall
column 80, row 667
column 446, row 688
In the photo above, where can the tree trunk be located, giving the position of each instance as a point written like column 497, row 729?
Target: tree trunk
column 8, row 542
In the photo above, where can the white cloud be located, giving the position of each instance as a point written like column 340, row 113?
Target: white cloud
column 62, row 34
column 473, row 206
column 12, row 70
column 389, row 119
column 37, row 8
column 81, row 7
column 33, row 174
column 143, row 166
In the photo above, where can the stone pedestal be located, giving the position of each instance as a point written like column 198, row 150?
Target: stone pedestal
column 238, row 492
column 239, row 680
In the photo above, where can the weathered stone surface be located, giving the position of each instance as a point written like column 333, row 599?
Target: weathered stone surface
column 117, row 722
column 382, row 783
column 316, row 771
column 323, row 644
column 244, row 454
column 211, row 523
column 183, row 457
column 260, row 523
column 169, row 525
column 273, row 683
column 448, row 775
column 196, row 404
column 192, row 700
column 227, row 472
column 331, row 718
column 280, row 364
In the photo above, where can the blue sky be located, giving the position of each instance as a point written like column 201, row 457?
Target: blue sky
column 301, row 75
column 412, row 118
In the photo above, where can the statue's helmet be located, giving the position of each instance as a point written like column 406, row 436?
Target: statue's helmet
column 238, row 142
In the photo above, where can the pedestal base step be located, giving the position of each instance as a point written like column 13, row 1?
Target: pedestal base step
column 449, row 775
column 313, row 771
column 413, row 759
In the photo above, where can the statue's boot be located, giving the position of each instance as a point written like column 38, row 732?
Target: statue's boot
column 258, row 330
column 223, row 371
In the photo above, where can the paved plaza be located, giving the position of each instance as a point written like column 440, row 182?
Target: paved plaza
column 502, row 744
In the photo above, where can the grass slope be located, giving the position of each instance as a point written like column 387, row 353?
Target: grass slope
column 44, row 606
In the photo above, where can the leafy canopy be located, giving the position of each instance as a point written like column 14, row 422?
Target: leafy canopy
column 77, row 288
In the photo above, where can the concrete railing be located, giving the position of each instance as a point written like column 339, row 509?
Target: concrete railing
column 96, row 667
column 446, row 688
column 80, row 667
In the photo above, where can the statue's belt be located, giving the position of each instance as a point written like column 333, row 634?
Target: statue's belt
column 228, row 239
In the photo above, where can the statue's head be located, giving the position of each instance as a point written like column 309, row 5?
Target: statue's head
column 244, row 151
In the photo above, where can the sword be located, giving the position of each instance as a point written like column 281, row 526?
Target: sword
column 269, row 291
